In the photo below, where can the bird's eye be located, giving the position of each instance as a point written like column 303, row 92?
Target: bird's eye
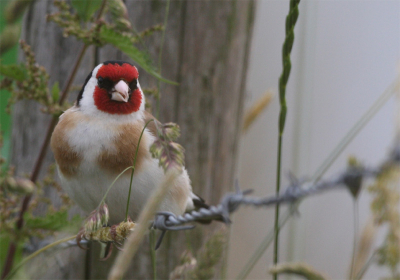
column 100, row 82
column 133, row 85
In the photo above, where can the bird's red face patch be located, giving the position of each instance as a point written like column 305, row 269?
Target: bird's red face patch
column 112, row 73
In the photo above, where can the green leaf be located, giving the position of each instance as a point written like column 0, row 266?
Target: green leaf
column 124, row 44
column 53, row 221
column 4, row 243
column 86, row 8
column 55, row 91
column 13, row 71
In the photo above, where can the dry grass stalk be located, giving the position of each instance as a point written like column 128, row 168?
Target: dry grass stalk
column 364, row 248
column 255, row 110
column 133, row 241
column 300, row 269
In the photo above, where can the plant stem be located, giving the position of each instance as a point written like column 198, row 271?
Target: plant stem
column 133, row 241
column 152, row 243
column 160, row 58
column 31, row 256
column 364, row 269
column 346, row 140
column 278, row 184
column 355, row 236
column 133, row 170
column 291, row 20
column 263, row 246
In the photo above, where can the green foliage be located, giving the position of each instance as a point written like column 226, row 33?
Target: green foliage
column 4, row 242
column 124, row 44
column 30, row 81
column 56, row 221
column 86, row 8
column 13, row 71
column 55, row 91
column 117, row 33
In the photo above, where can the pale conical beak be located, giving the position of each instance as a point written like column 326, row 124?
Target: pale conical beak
column 120, row 92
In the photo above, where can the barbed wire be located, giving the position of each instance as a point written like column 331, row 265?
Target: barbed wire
column 351, row 178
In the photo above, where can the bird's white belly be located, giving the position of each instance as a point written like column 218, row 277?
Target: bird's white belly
column 88, row 188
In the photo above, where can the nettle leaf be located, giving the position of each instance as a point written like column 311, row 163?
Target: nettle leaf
column 13, row 71
column 53, row 221
column 124, row 44
column 86, row 8
column 169, row 153
column 55, row 91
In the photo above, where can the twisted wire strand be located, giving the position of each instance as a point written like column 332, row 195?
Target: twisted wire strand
column 351, row 178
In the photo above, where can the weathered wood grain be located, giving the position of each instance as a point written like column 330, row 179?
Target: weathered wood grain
column 206, row 50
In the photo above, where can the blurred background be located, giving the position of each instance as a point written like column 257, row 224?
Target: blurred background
column 346, row 53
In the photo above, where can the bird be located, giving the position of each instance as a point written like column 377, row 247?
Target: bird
column 96, row 139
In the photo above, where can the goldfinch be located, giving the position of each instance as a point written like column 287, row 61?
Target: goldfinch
column 96, row 139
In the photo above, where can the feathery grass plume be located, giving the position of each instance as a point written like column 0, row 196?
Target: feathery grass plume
column 364, row 249
column 97, row 219
column 119, row 15
column 385, row 207
column 210, row 255
column 206, row 261
column 117, row 233
column 187, row 265
column 169, row 153
column 300, row 269
column 254, row 111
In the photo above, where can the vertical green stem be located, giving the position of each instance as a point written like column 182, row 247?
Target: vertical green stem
column 355, row 236
column 278, row 184
column 152, row 242
column 133, row 170
column 291, row 20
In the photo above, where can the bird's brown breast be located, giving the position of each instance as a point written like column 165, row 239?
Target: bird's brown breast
column 118, row 148
column 125, row 144
column 68, row 160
